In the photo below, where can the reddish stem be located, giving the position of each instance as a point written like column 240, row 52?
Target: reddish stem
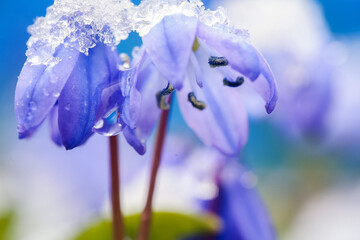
column 118, row 220
column 146, row 216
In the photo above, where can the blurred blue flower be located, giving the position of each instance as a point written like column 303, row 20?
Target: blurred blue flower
column 203, row 181
column 72, row 58
column 298, row 45
column 203, row 60
column 238, row 204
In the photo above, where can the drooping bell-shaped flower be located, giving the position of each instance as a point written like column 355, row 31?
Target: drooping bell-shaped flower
column 71, row 59
column 303, row 56
column 196, row 53
column 240, row 207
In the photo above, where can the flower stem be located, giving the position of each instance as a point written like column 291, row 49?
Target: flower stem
column 118, row 221
column 146, row 216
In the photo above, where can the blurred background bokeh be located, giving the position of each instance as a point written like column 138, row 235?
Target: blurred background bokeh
column 306, row 155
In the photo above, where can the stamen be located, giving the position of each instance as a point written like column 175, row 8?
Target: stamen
column 169, row 89
column 196, row 45
column 238, row 82
column 217, row 62
column 195, row 103
column 161, row 97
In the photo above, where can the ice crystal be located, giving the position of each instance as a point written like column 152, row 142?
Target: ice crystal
column 151, row 12
column 79, row 23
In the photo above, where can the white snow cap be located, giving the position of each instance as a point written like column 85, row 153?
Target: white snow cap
column 81, row 23
column 151, row 12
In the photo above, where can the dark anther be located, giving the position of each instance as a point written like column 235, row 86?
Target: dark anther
column 217, row 62
column 169, row 89
column 238, row 82
column 195, row 103
column 161, row 97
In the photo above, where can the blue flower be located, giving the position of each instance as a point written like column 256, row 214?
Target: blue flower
column 305, row 64
column 72, row 59
column 70, row 91
column 240, row 207
column 203, row 61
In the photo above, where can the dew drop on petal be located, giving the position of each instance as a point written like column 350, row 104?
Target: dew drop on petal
column 54, row 79
column 109, row 125
column 45, row 92
column 29, row 116
column 20, row 128
column 33, row 106
column 67, row 107
column 99, row 124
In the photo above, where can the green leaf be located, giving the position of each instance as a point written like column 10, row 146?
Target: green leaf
column 6, row 223
column 100, row 230
column 165, row 226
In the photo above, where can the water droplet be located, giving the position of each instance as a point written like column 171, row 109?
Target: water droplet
column 20, row 128
column 29, row 116
column 99, row 124
column 54, row 79
column 33, row 106
column 109, row 125
column 45, row 92
column 67, row 107
column 56, row 94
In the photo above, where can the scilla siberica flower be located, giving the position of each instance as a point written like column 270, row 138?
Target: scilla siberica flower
column 196, row 53
column 71, row 58
column 204, row 181
column 303, row 56
column 240, row 207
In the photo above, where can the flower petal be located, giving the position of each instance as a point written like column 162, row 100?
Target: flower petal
column 132, row 97
column 149, row 82
column 223, row 123
column 240, row 54
column 241, row 208
column 169, row 44
column 245, row 59
column 80, row 100
column 54, row 125
column 134, row 141
column 265, row 85
column 39, row 87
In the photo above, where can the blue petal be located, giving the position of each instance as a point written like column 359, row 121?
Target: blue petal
column 241, row 208
column 244, row 58
column 265, row 85
column 223, row 123
column 134, row 141
column 241, row 55
column 39, row 87
column 148, row 84
column 54, row 126
column 80, row 101
column 132, row 97
column 169, row 44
